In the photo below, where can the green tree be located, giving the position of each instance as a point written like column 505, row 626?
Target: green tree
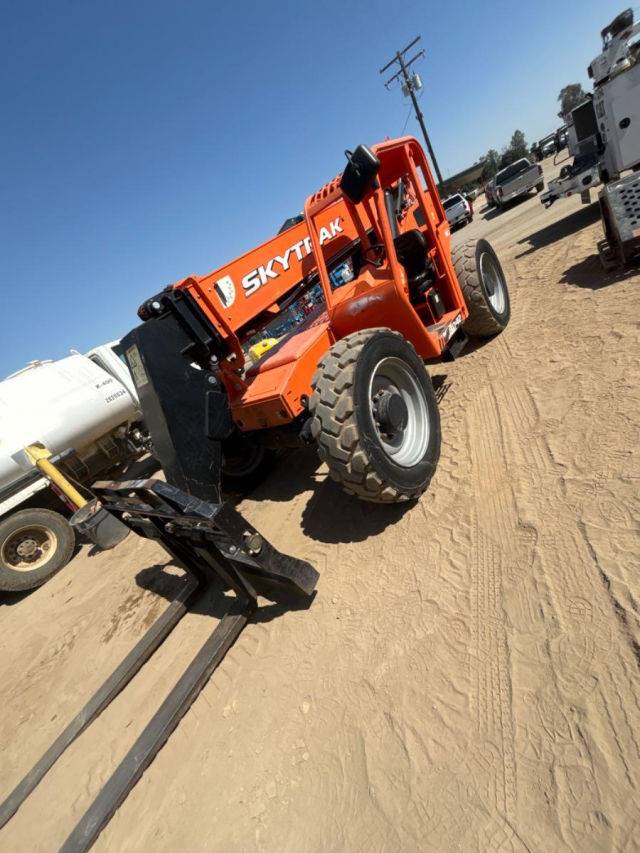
column 570, row 96
column 491, row 164
column 515, row 150
column 518, row 145
column 507, row 157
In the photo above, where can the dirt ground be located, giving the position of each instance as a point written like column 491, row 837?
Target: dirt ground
column 467, row 676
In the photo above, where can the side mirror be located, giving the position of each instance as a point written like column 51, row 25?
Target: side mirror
column 359, row 176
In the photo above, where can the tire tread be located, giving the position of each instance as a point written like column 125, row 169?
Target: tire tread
column 480, row 322
column 334, row 426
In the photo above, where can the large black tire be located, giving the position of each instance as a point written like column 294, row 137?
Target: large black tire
column 475, row 263
column 540, row 187
column 344, row 417
column 38, row 537
column 245, row 462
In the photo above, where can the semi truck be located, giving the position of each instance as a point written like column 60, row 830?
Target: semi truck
column 84, row 409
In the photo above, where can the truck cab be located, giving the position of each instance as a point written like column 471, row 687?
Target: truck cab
column 110, row 357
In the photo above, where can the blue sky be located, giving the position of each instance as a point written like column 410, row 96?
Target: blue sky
column 143, row 141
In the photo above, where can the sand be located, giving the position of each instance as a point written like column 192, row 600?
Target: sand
column 467, row 676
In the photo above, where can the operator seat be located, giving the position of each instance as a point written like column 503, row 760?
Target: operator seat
column 411, row 250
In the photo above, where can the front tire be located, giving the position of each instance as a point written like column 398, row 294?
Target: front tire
column 375, row 417
column 34, row 545
column 245, row 462
column 484, row 288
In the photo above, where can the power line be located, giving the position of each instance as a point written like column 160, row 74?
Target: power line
column 406, row 121
column 410, row 85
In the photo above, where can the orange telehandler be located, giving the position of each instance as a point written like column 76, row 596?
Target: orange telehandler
column 318, row 336
column 374, row 253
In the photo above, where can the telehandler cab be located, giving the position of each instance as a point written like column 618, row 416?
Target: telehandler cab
column 319, row 335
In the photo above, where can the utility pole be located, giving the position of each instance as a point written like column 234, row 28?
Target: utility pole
column 411, row 84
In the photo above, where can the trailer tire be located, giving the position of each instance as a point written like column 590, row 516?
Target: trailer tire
column 33, row 537
column 476, row 265
column 375, row 417
column 540, row 187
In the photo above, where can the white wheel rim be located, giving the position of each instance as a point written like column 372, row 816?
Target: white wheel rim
column 409, row 445
column 491, row 274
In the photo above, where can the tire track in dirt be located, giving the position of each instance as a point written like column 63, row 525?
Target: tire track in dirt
column 585, row 633
column 491, row 679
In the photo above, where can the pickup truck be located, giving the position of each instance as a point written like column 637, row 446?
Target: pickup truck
column 457, row 210
column 516, row 180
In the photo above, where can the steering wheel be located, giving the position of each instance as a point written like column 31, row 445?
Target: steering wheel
column 376, row 250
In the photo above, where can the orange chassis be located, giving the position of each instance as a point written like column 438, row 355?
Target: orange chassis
column 251, row 290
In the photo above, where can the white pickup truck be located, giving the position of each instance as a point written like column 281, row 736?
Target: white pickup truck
column 457, row 210
column 516, row 180
column 84, row 409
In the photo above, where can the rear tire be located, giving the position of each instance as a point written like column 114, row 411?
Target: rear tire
column 540, row 187
column 484, row 288
column 34, row 545
column 375, row 417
